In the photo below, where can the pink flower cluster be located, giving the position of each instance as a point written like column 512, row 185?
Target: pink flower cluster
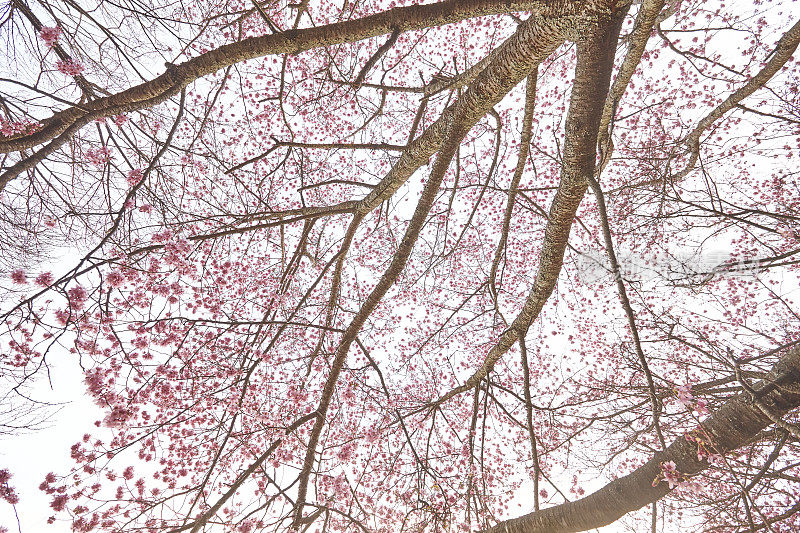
column 684, row 394
column 13, row 129
column 19, row 277
column 115, row 278
column 134, row 176
column 670, row 474
column 45, row 279
column 7, row 491
column 117, row 417
column 70, row 67
column 77, row 297
column 50, row 35
column 98, row 156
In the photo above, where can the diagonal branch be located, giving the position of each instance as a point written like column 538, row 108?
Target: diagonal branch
column 626, row 305
column 533, row 42
column 522, row 157
column 592, row 78
column 735, row 424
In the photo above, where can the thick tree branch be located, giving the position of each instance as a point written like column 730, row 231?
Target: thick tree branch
column 534, row 41
column 592, row 78
column 735, row 424
column 645, row 20
column 401, row 19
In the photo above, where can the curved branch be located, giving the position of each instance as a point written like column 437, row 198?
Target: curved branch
column 176, row 77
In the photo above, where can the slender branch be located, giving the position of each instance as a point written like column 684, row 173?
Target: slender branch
column 522, row 157
column 176, row 77
column 626, row 305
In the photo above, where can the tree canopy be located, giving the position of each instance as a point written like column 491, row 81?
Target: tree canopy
column 365, row 265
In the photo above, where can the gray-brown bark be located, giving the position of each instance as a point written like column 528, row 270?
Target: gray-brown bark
column 59, row 128
column 735, row 424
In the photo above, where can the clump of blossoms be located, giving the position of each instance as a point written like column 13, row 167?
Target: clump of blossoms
column 45, row 279
column 19, row 277
column 684, row 395
column 69, row 67
column 14, row 129
column 7, row 492
column 673, row 477
column 134, row 176
column 98, row 156
column 77, row 297
column 50, row 35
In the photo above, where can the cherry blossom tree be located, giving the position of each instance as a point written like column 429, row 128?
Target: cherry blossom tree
column 397, row 266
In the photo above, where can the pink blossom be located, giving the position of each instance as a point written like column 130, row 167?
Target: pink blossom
column 50, row 35
column 346, row 451
column 94, row 382
column 787, row 233
column 684, row 394
column 706, row 455
column 70, row 68
column 19, row 277
column 146, row 208
column 59, row 502
column 7, row 492
column 45, row 279
column 119, row 120
column 134, row 176
column 128, row 473
column 115, row 278
column 372, row 435
column 117, row 417
column 98, row 156
column 14, row 129
column 690, row 487
column 77, row 297
column 669, row 473
column 701, row 407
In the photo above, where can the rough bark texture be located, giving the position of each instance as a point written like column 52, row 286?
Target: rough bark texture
column 732, row 426
column 550, row 19
column 535, row 39
column 637, row 39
